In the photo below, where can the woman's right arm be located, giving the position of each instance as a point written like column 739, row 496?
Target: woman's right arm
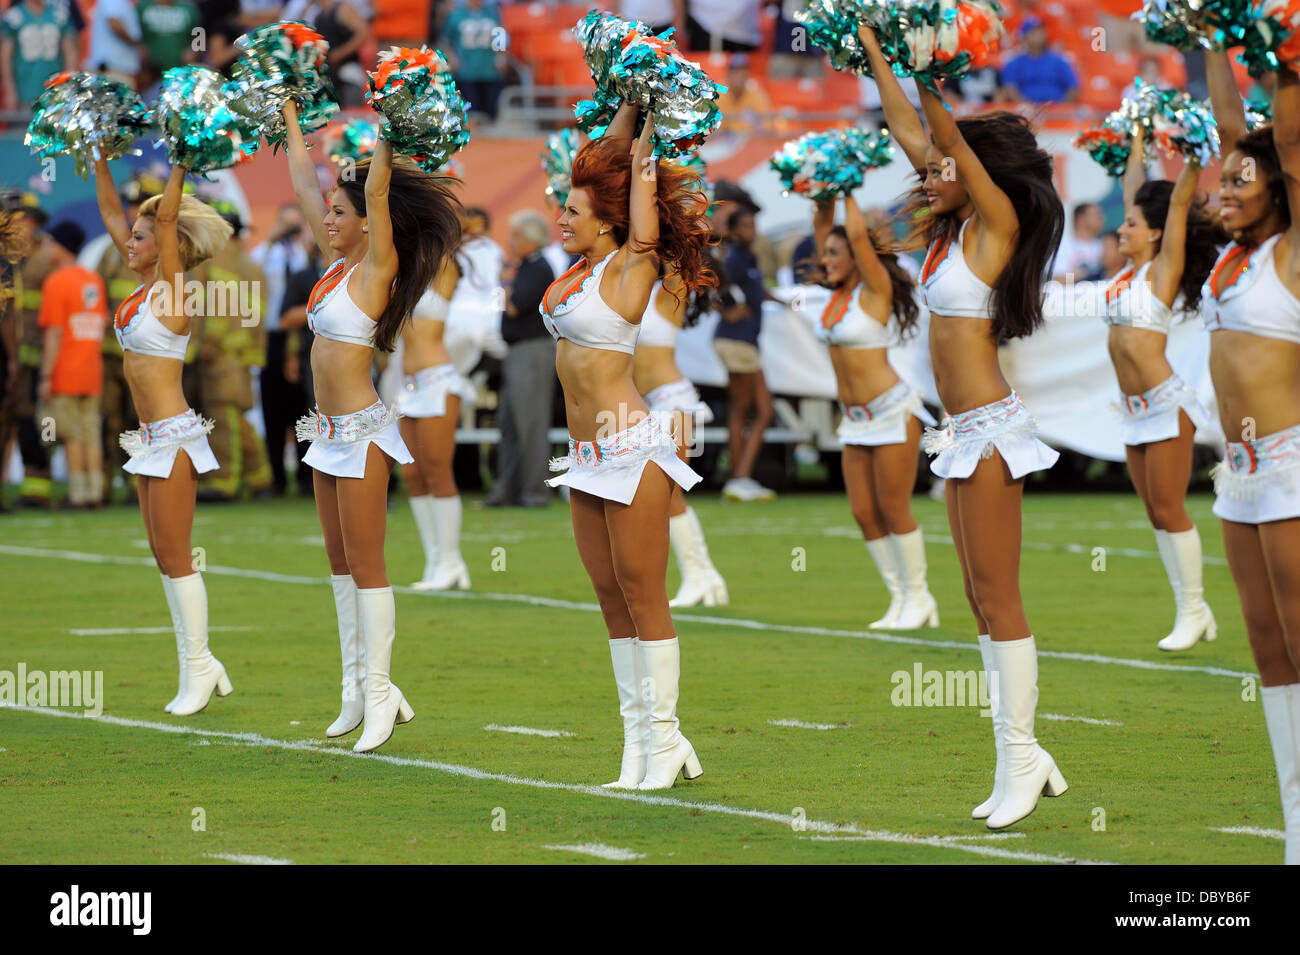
column 306, row 185
column 1286, row 138
column 901, row 117
column 823, row 222
column 1135, row 174
column 1225, row 99
column 110, row 207
column 1167, row 270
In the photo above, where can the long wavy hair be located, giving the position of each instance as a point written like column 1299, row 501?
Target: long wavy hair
column 1258, row 145
column 1006, row 147
column 1203, row 236
column 426, row 229
column 900, row 282
column 200, row 230
column 604, row 170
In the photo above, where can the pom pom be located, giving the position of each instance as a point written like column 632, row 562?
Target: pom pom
column 1258, row 113
column 427, row 118
column 833, row 26
column 1274, row 40
column 199, row 126
column 1189, row 24
column 88, row 117
column 348, row 141
column 1171, row 119
column 557, row 163
column 935, row 40
column 281, row 62
column 822, row 165
column 627, row 61
column 1108, row 145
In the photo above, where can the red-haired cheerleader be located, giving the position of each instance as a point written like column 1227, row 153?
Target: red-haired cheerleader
column 1253, row 313
column 992, row 219
column 624, row 222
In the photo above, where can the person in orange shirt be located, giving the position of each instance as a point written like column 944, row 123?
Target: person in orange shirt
column 74, row 314
column 745, row 106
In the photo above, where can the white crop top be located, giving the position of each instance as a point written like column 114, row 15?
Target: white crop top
column 845, row 323
column 656, row 330
column 332, row 314
column 584, row 318
column 1131, row 301
column 951, row 288
column 1245, row 294
column 432, row 307
column 140, row 331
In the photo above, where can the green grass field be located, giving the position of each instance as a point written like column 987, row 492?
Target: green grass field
column 1174, row 753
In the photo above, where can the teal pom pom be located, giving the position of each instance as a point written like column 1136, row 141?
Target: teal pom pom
column 1171, row 120
column 280, row 62
column 88, row 117
column 350, row 141
column 557, row 163
column 427, row 118
column 201, row 129
column 833, row 26
column 1273, row 42
column 1192, row 24
column 823, row 165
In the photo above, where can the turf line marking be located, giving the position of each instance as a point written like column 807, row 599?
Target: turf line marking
column 600, row 851
column 799, row 724
column 1249, row 831
column 555, row 603
column 1077, row 719
column 525, row 731
column 247, row 860
column 782, row 819
column 120, row 631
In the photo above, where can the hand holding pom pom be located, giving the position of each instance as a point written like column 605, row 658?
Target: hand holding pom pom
column 88, row 117
column 201, row 129
column 822, row 166
column 427, row 118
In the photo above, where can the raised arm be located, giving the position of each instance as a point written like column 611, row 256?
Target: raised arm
column 1167, row 270
column 110, row 207
column 622, row 128
column 1135, row 174
column 381, row 255
column 904, row 124
column 870, row 267
column 1225, row 99
column 823, row 222
column 171, row 267
column 992, row 205
column 1286, row 137
column 643, row 207
column 306, row 185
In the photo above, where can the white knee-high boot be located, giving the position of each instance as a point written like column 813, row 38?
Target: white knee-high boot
column 919, row 606
column 452, row 571
column 204, row 672
column 1282, row 714
column 354, row 656
column 385, row 705
column 1193, row 620
column 670, row 752
column 701, row 582
column 422, row 510
column 178, row 626
column 632, row 707
column 1030, row 770
column 889, row 561
column 985, row 809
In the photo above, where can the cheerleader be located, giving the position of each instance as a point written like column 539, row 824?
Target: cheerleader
column 430, row 407
column 172, row 234
column 881, row 415
column 1253, row 314
column 1171, row 244
column 387, row 228
column 666, row 389
column 983, row 285
column 622, row 225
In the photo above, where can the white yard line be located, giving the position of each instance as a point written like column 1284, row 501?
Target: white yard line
column 736, row 622
column 783, row 819
column 1077, row 719
column 799, row 724
column 1250, row 831
column 247, row 860
column 525, row 730
column 600, row 851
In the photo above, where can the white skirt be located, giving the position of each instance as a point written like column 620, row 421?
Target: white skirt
column 1004, row 426
column 1153, row 415
column 883, row 419
column 339, row 444
column 424, row 394
column 611, row 468
column 680, row 396
column 153, row 447
column 1259, row 481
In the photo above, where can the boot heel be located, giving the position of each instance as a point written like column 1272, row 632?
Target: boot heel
column 933, row 619
column 404, row 712
column 692, row 769
column 1212, row 631
column 224, row 686
column 1056, row 784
